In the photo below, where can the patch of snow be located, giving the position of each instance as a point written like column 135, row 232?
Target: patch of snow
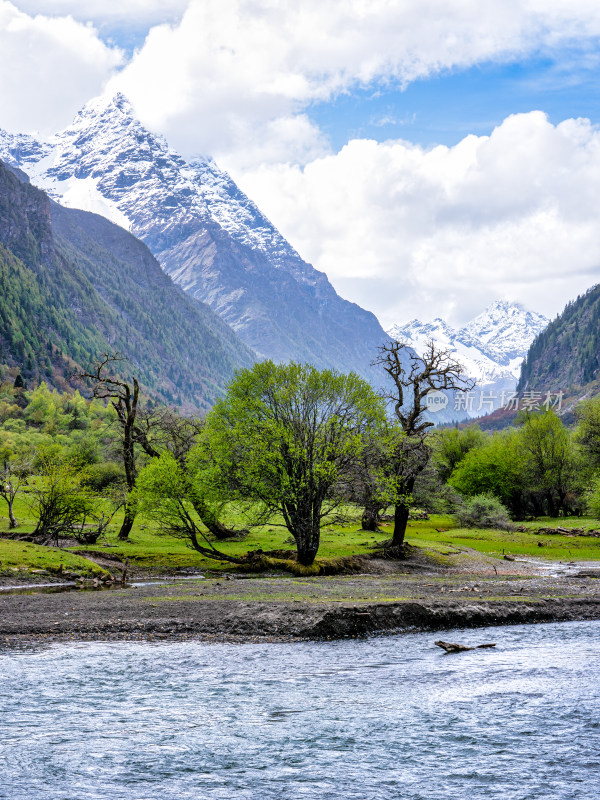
column 83, row 193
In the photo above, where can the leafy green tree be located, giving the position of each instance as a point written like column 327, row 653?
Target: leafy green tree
column 286, row 436
column 498, row 468
column 551, row 459
column 592, row 497
column 13, row 477
column 169, row 491
column 161, row 430
column 451, row 445
column 588, row 430
column 58, row 501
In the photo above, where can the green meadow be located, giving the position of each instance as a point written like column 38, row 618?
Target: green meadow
column 439, row 539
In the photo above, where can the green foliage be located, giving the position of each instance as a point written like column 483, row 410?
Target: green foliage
column 58, row 501
column 497, row 468
column 567, row 352
column 588, row 430
column 592, row 498
column 44, row 427
column 286, row 436
column 174, row 496
column 484, row 511
column 451, row 445
column 100, row 477
column 534, row 469
column 161, row 491
column 552, row 466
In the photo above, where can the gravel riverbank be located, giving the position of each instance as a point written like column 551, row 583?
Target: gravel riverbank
column 240, row 608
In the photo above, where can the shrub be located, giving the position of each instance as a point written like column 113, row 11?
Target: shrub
column 100, row 477
column 484, row 511
column 592, row 499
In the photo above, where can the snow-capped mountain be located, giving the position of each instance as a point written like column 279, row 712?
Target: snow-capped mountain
column 491, row 347
column 204, row 231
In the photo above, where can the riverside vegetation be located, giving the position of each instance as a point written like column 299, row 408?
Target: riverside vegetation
column 294, row 469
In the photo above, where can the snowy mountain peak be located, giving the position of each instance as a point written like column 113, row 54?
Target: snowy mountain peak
column 206, row 233
column 104, row 105
column 491, row 346
column 415, row 330
column 106, row 161
column 504, row 331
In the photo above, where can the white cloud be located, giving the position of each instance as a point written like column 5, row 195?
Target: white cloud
column 402, row 230
column 49, row 67
column 221, row 79
column 411, row 232
column 133, row 12
column 227, row 77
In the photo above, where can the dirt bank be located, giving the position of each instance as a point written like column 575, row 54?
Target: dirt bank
column 238, row 608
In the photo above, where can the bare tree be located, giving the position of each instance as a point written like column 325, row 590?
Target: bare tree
column 13, row 477
column 154, row 431
column 124, row 398
column 412, row 379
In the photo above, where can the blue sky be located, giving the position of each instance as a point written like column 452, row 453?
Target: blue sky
column 446, row 107
column 429, row 156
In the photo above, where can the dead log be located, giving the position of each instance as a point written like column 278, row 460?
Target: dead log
column 450, row 647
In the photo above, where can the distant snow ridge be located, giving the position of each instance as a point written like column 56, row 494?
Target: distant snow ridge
column 491, row 347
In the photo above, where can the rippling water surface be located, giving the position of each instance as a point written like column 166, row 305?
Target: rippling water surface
column 380, row 718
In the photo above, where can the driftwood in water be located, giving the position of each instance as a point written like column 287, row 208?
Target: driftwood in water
column 449, row 647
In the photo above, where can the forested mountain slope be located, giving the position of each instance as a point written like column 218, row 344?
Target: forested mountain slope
column 74, row 285
column 566, row 355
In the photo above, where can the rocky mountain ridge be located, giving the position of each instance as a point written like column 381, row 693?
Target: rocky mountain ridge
column 205, row 233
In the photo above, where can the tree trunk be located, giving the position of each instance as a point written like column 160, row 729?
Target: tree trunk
column 128, row 521
column 11, row 517
column 552, row 510
column 370, row 518
column 307, row 542
column 401, row 512
column 218, row 530
column 306, row 553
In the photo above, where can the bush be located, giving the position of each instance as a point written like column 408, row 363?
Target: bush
column 484, row 511
column 592, row 499
column 99, row 477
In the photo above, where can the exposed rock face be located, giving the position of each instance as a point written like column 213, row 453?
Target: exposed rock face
column 205, row 232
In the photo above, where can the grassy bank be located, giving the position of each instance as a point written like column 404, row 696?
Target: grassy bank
column 149, row 551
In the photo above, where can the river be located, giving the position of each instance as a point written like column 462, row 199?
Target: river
column 390, row 717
